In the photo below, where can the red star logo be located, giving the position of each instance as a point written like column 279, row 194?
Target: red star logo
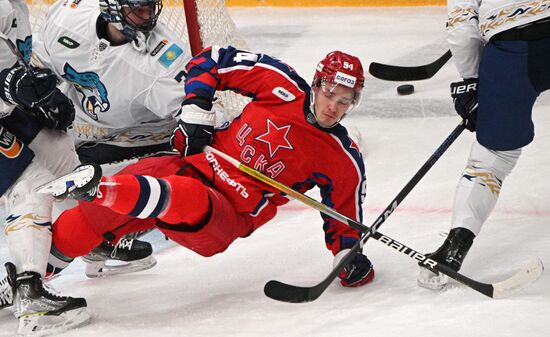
column 275, row 138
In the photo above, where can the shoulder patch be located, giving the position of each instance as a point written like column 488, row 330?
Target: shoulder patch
column 170, row 55
column 159, row 47
column 283, row 94
column 68, row 42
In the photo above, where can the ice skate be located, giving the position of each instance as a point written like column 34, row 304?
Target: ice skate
column 127, row 256
column 6, row 293
column 451, row 253
column 40, row 312
column 81, row 184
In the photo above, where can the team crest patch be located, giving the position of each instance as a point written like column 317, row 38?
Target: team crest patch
column 170, row 55
column 159, row 47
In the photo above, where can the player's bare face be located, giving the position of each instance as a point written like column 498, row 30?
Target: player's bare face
column 332, row 101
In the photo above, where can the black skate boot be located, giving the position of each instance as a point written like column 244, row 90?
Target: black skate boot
column 81, row 184
column 6, row 293
column 39, row 311
column 127, row 256
column 451, row 253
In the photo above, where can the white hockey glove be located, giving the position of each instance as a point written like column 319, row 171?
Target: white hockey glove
column 195, row 127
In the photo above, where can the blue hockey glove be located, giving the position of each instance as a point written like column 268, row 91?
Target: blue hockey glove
column 464, row 95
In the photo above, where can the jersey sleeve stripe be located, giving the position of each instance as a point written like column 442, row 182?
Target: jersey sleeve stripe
column 357, row 161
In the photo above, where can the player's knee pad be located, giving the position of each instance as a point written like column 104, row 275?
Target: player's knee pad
column 55, row 150
column 489, row 168
column 24, row 207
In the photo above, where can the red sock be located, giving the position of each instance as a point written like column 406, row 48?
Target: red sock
column 73, row 235
column 173, row 199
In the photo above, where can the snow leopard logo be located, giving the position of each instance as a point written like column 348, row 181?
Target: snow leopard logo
column 25, row 48
column 94, row 94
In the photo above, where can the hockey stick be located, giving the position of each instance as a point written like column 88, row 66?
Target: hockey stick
column 401, row 73
column 21, row 60
column 17, row 54
column 296, row 294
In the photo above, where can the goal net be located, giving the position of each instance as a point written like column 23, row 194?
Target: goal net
column 200, row 22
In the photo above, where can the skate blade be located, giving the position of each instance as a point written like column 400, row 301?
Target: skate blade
column 101, row 268
column 48, row 325
column 68, row 182
column 429, row 280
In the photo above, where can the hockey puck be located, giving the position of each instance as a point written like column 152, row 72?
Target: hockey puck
column 405, row 89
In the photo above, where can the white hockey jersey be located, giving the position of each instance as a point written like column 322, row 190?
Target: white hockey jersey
column 14, row 24
column 121, row 96
column 471, row 23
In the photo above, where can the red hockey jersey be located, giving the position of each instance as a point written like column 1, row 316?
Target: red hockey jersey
column 277, row 135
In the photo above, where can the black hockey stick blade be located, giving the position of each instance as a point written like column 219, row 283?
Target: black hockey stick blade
column 403, row 73
column 520, row 280
column 290, row 293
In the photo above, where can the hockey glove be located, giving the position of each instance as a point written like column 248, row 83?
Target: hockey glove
column 57, row 113
column 464, row 94
column 357, row 273
column 195, row 127
column 19, row 88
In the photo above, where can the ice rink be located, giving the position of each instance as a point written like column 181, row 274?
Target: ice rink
column 187, row 295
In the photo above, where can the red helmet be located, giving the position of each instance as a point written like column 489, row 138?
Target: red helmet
column 340, row 68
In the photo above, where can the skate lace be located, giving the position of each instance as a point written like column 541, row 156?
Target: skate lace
column 52, row 291
column 122, row 244
column 95, row 191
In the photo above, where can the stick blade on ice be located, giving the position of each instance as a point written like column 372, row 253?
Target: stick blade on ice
column 289, row 293
column 520, row 280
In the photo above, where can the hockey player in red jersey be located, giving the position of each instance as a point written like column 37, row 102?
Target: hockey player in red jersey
column 289, row 131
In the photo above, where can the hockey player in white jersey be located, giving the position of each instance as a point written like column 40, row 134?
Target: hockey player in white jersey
column 124, row 72
column 501, row 49
column 33, row 148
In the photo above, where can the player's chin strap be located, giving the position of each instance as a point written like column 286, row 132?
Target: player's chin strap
column 139, row 39
column 141, row 42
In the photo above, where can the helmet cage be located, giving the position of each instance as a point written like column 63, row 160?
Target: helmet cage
column 112, row 11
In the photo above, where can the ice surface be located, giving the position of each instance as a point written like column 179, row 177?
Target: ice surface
column 187, row 295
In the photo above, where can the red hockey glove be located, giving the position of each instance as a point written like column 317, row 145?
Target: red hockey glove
column 357, row 273
column 464, row 95
column 195, row 127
